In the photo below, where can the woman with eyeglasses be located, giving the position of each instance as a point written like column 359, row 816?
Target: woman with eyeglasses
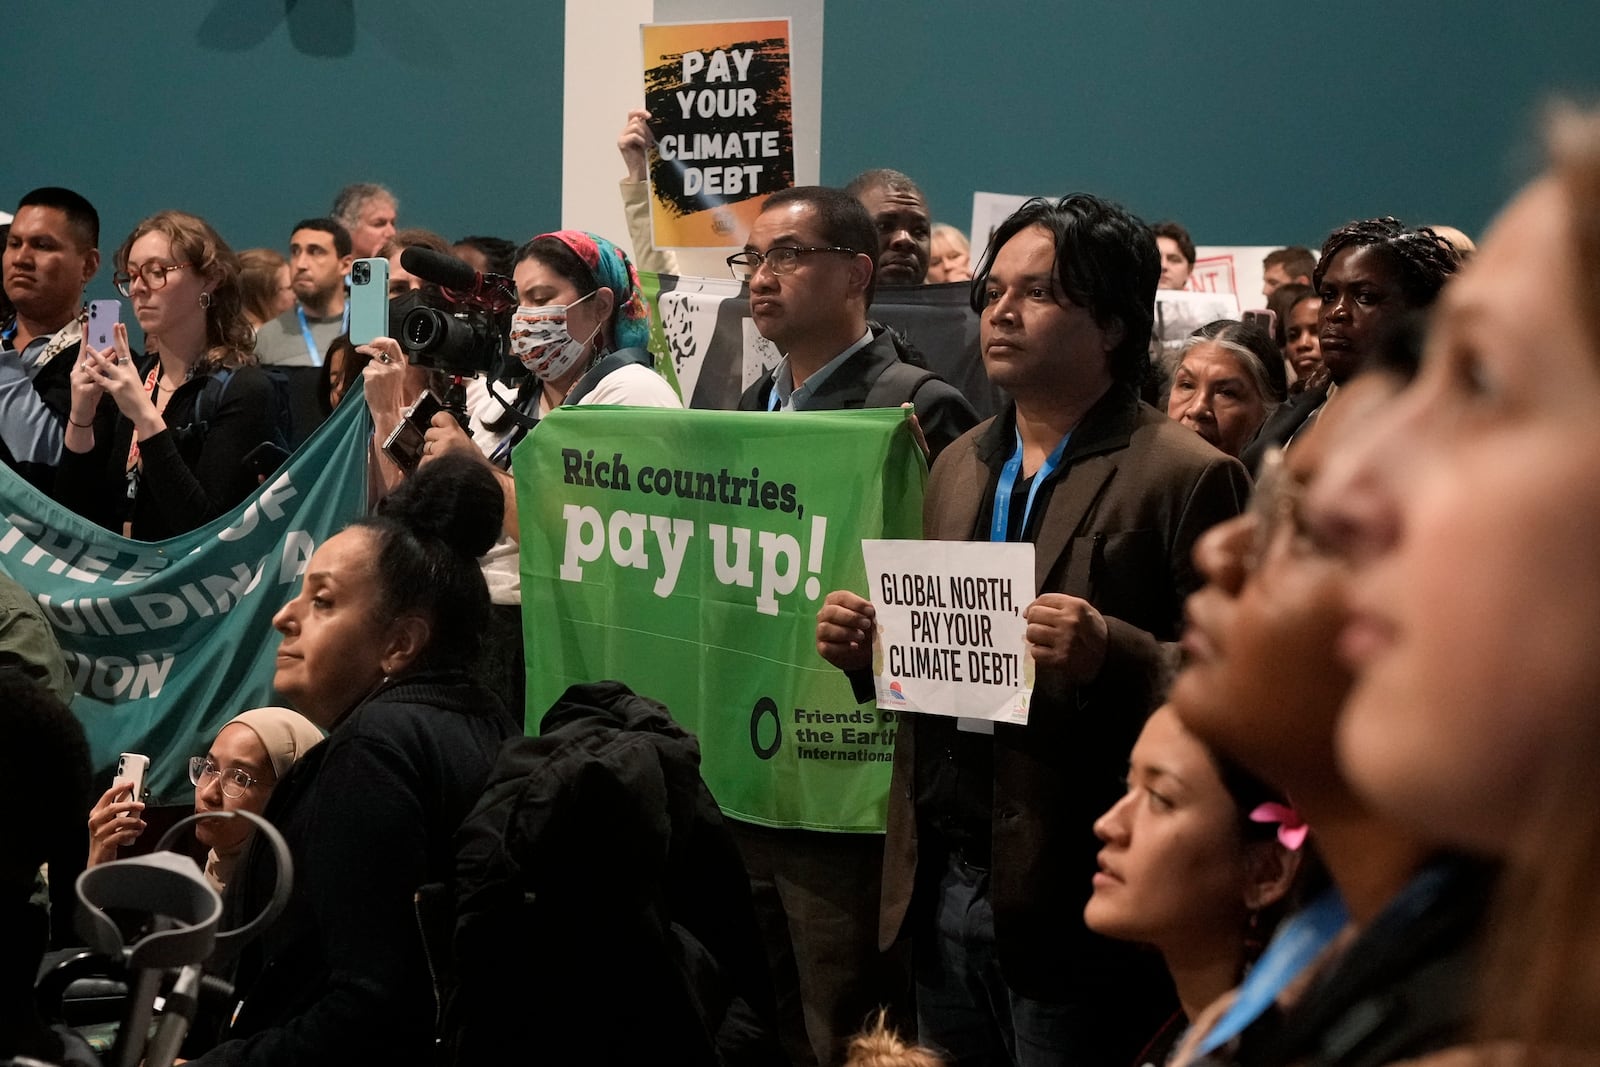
column 246, row 760
column 155, row 445
column 378, row 647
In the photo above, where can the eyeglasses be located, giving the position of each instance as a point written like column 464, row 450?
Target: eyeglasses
column 154, row 275
column 234, row 780
column 780, row 260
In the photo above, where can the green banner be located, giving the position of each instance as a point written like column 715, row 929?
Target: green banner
column 686, row 553
column 168, row 640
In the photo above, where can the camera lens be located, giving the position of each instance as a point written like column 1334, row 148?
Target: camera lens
column 361, row 274
column 423, row 329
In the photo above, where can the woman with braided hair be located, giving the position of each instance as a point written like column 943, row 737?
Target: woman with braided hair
column 1373, row 277
column 1371, row 273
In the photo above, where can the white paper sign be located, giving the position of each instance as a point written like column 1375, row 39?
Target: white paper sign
column 951, row 639
column 989, row 210
column 1180, row 312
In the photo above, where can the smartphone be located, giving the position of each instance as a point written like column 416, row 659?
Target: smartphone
column 369, row 300
column 264, row 460
column 1266, row 318
column 100, row 331
column 404, row 445
column 131, row 767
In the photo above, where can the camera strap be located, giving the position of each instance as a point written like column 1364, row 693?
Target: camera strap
column 627, row 357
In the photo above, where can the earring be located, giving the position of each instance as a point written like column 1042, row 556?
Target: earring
column 205, row 300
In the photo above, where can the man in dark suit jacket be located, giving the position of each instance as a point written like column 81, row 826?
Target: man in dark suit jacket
column 809, row 263
column 990, row 849
column 811, row 301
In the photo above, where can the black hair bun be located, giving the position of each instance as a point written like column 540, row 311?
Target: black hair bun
column 453, row 498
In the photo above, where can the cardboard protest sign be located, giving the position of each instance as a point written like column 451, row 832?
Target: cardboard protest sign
column 951, row 639
column 719, row 98
column 686, row 553
column 168, row 640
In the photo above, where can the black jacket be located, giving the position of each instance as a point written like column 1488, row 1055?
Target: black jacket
column 1282, row 425
column 193, row 470
column 943, row 412
column 369, row 816
column 1403, row 989
column 598, row 852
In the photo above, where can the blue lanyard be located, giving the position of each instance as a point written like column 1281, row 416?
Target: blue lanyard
column 1297, row 943
column 311, row 342
column 1000, row 523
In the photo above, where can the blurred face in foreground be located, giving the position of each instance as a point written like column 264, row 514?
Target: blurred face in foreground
column 1470, row 512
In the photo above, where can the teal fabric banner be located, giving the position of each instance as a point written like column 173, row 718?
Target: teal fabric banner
column 168, row 640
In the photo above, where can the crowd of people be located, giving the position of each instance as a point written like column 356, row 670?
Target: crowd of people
column 1306, row 777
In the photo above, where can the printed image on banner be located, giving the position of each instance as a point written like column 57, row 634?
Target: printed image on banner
column 168, row 640
column 718, row 94
column 950, row 636
column 686, row 553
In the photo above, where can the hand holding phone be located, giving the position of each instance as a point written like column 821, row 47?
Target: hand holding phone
column 369, row 300
column 116, row 818
column 131, row 768
column 1265, row 318
column 405, row 444
column 100, row 330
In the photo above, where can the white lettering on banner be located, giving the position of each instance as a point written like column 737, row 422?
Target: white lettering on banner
column 727, row 180
column 716, row 69
column 208, row 595
column 717, row 103
column 751, row 144
column 627, row 538
column 269, row 503
column 112, row 677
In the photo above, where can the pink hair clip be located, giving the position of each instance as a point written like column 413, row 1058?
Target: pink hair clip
column 1292, row 829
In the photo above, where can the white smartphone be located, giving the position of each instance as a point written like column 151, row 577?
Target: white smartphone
column 132, row 767
column 103, row 318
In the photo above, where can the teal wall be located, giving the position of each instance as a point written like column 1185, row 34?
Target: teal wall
column 1251, row 122
column 253, row 113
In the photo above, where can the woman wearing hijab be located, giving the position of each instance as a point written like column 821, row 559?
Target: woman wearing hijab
column 248, row 757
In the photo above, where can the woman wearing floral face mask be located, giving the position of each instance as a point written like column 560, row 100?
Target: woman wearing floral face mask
column 581, row 331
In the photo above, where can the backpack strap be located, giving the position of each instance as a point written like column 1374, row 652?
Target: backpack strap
column 898, row 383
column 627, row 357
column 214, row 389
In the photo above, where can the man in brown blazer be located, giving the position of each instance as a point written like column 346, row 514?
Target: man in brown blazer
column 990, row 849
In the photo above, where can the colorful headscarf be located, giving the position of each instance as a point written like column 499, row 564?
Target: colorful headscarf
column 630, row 320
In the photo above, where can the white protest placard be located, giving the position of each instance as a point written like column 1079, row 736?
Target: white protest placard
column 1180, row 312
column 989, row 210
column 950, row 638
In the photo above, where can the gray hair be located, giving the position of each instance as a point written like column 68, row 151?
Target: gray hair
column 352, row 198
column 1252, row 347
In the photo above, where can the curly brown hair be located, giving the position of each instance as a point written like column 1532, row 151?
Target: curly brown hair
column 230, row 342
